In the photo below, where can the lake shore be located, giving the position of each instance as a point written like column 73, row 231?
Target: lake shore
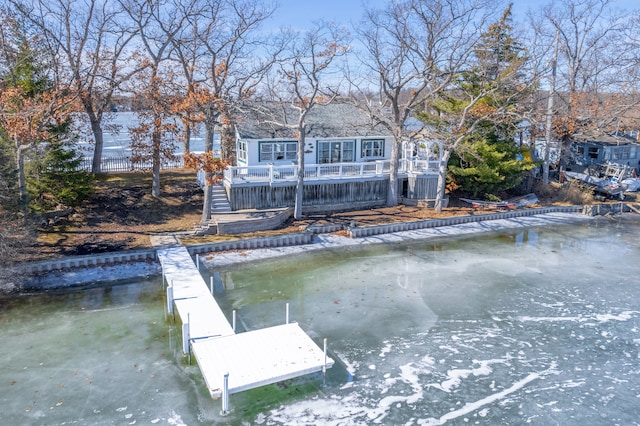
column 109, row 274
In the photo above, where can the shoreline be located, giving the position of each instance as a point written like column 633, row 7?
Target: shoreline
column 332, row 241
column 104, row 275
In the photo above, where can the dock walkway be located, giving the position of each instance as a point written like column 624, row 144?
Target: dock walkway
column 231, row 362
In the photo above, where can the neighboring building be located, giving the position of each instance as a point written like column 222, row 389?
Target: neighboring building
column 603, row 148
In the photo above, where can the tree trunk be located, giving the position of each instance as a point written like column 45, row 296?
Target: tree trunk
column 22, row 181
column 442, row 180
column 297, row 212
column 549, row 122
column 155, row 181
column 186, row 143
column 208, row 191
column 392, row 194
column 228, row 143
column 98, row 136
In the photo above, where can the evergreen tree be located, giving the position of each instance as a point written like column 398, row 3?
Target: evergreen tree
column 482, row 108
column 35, row 118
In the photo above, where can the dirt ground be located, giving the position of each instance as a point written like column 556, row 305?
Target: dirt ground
column 122, row 214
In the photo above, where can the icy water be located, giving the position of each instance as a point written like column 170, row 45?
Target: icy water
column 535, row 326
column 117, row 140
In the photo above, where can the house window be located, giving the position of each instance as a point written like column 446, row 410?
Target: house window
column 336, row 151
column 622, row 153
column 242, row 151
column 581, row 150
column 372, row 148
column 593, row 152
column 278, row 151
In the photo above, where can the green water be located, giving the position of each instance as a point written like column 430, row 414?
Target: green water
column 532, row 326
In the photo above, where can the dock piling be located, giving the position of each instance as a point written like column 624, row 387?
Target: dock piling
column 225, row 395
column 324, row 366
column 233, row 323
column 286, row 315
column 170, row 299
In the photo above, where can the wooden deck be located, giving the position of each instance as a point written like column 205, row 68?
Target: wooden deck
column 231, row 362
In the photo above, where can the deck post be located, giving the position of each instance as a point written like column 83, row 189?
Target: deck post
column 233, row 320
column 225, row 395
column 286, row 315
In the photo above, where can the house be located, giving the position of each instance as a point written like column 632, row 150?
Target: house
column 603, row 148
column 336, row 133
column 346, row 162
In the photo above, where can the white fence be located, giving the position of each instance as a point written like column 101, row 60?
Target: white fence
column 288, row 173
column 124, row 164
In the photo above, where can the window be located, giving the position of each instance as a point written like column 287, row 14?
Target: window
column 372, row 148
column 336, row 151
column 621, row 153
column 593, row 152
column 278, row 151
column 242, row 151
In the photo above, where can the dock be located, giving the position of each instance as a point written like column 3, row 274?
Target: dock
column 233, row 362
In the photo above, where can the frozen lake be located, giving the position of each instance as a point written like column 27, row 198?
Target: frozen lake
column 531, row 326
column 117, row 139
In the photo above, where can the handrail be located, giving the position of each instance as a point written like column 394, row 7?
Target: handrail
column 270, row 173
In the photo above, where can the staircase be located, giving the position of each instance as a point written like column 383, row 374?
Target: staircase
column 219, row 201
column 219, row 205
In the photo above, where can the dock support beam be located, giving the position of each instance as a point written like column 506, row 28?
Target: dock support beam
column 170, row 299
column 286, row 315
column 225, row 395
column 233, row 322
column 198, row 262
column 324, row 366
column 185, row 337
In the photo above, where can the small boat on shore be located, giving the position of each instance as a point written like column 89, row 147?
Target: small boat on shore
column 608, row 187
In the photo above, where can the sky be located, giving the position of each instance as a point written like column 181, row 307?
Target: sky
column 301, row 14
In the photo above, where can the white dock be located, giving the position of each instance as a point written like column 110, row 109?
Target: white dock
column 231, row 362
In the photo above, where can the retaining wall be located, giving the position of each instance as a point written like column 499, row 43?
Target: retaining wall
column 254, row 243
column 88, row 261
column 366, row 231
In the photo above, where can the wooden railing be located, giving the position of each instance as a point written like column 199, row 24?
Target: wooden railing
column 289, row 173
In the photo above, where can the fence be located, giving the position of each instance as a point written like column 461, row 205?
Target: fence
column 124, row 164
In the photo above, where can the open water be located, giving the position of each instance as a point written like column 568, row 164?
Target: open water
column 534, row 326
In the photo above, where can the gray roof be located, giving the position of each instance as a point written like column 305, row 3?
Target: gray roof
column 336, row 120
column 603, row 138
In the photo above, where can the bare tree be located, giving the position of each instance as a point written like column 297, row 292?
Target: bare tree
column 156, row 24
column 413, row 50
column 87, row 41
column 218, row 49
column 304, row 79
column 587, row 62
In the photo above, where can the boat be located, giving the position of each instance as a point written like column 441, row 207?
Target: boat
column 511, row 204
column 608, row 187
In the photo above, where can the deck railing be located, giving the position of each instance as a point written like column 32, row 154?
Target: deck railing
column 289, row 173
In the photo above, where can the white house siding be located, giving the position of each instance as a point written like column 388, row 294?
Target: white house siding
column 312, row 151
